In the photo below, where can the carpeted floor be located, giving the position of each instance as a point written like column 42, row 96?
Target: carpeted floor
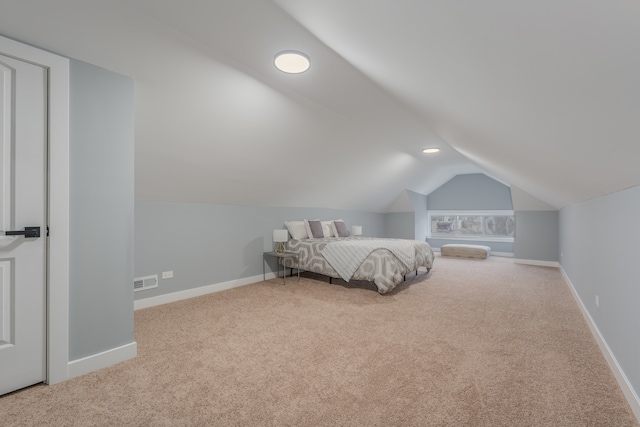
column 472, row 343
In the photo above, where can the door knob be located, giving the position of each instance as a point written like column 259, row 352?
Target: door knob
column 28, row 232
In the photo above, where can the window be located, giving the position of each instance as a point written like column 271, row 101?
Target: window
column 471, row 225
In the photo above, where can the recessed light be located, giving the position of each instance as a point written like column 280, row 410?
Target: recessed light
column 430, row 150
column 292, row 62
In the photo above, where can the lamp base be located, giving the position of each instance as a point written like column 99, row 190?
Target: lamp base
column 280, row 250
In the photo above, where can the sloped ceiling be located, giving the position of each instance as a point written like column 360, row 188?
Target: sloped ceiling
column 541, row 95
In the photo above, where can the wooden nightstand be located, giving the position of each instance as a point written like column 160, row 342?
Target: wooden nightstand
column 284, row 268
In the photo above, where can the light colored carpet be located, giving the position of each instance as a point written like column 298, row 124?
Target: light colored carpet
column 472, row 343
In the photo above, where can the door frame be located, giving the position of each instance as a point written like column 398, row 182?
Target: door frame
column 57, row 328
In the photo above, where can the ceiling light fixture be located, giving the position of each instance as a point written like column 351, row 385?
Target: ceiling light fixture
column 292, row 62
column 430, row 150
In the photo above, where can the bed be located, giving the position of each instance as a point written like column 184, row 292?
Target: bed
column 385, row 262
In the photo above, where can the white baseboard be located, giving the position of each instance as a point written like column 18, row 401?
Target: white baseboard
column 627, row 389
column 120, row 354
column 500, row 254
column 102, row 360
column 196, row 292
column 536, row 262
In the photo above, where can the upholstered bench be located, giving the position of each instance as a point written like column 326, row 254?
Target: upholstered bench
column 465, row 251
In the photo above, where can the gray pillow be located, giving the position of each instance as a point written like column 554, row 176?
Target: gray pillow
column 316, row 229
column 341, row 228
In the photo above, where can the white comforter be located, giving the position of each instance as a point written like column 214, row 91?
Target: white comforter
column 346, row 256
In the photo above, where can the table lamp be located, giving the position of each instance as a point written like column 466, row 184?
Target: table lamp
column 279, row 237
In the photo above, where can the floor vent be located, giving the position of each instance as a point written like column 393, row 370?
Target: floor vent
column 144, row 283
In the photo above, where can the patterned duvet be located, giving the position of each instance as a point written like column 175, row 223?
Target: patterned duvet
column 381, row 267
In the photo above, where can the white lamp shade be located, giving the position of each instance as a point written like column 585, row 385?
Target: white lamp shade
column 356, row 230
column 280, row 235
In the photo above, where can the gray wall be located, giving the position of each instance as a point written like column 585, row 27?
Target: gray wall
column 101, row 210
column 419, row 202
column 537, row 236
column 408, row 217
column 400, row 225
column 599, row 253
column 472, row 192
column 206, row 244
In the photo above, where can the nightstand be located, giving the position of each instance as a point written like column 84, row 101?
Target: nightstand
column 284, row 268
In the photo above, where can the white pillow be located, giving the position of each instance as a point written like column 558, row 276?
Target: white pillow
column 297, row 229
column 327, row 229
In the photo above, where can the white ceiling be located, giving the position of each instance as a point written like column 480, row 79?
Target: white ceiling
column 542, row 95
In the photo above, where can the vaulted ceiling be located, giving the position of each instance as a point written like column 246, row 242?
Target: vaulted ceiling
column 542, row 95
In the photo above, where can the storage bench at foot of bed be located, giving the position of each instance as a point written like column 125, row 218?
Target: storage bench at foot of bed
column 466, row 251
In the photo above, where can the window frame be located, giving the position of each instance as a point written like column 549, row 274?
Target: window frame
column 475, row 237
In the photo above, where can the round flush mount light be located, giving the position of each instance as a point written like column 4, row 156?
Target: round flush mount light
column 430, row 150
column 292, row 62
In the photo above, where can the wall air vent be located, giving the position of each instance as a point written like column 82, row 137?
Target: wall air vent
column 144, row 283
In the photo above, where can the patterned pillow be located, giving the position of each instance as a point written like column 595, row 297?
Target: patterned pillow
column 297, row 229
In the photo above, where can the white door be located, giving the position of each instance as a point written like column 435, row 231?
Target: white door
column 23, row 162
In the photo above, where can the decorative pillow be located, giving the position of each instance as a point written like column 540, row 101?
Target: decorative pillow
column 333, row 227
column 314, row 229
column 308, row 230
column 327, row 228
column 340, row 228
column 297, row 229
column 334, row 232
